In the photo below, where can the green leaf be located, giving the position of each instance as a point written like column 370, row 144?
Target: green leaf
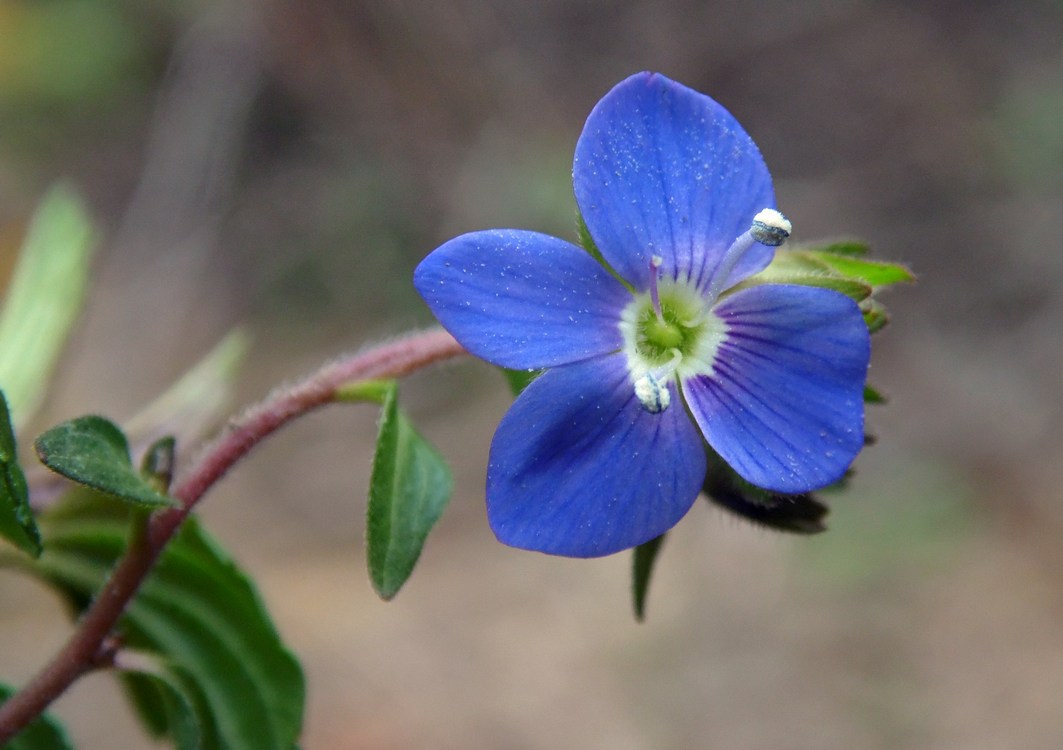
column 876, row 273
column 43, row 733
column 642, row 562
column 217, row 649
column 94, row 452
column 163, row 706
column 17, row 524
column 44, row 298
column 408, row 491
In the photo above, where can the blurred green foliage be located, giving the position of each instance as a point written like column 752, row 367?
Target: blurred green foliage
column 44, row 298
column 904, row 527
column 1028, row 131
column 64, row 60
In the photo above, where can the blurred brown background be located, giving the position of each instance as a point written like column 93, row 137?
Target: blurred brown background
column 286, row 164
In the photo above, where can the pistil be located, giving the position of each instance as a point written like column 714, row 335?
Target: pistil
column 655, row 297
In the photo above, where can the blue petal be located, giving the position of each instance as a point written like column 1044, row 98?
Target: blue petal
column 663, row 170
column 521, row 299
column 579, row 468
column 784, row 405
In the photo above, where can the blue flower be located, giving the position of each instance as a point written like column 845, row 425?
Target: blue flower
column 650, row 358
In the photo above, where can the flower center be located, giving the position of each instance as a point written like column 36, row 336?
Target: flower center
column 669, row 332
column 659, row 337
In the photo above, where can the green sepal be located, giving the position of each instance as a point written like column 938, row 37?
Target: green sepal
column 878, row 274
column 409, row 488
column 851, row 288
column 43, row 733
column 201, row 618
column 875, row 315
column 799, row 267
column 587, row 243
column 643, row 559
column 44, row 298
column 873, row 396
column 798, row 514
column 518, row 380
column 848, row 247
column 17, row 524
column 838, row 267
column 94, row 452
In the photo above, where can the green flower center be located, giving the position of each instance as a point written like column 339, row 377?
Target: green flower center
column 658, row 339
column 680, row 340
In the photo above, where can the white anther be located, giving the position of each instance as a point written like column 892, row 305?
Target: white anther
column 770, row 228
column 653, row 396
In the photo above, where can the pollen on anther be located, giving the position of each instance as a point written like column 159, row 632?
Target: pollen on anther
column 653, row 396
column 770, row 228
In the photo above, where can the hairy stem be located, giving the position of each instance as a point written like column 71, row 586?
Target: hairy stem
column 80, row 654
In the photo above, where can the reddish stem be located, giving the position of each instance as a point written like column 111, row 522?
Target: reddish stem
column 79, row 655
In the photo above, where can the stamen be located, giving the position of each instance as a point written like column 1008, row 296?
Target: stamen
column 651, row 389
column 653, row 396
column 655, row 264
column 769, row 228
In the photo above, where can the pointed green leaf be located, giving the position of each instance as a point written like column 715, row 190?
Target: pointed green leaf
column 93, row 451
column 17, row 524
column 876, row 273
column 44, row 298
column 642, row 563
column 199, row 614
column 43, row 733
column 408, row 491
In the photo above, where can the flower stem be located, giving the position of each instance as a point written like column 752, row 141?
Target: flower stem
column 81, row 653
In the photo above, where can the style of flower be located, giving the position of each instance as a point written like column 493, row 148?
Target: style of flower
column 654, row 351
